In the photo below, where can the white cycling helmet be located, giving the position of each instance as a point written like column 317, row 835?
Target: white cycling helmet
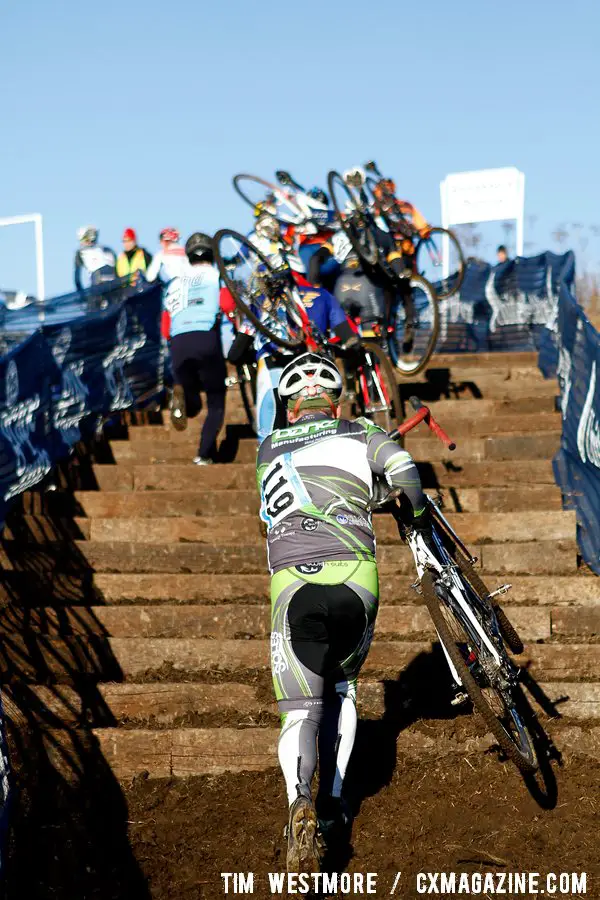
column 89, row 234
column 310, row 380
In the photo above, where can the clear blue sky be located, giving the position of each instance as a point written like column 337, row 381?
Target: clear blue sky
column 120, row 114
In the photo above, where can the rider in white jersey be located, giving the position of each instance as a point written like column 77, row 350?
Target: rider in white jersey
column 170, row 260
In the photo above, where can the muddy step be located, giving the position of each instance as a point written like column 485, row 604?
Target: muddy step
column 468, row 406
column 74, row 660
column 141, row 588
column 27, row 589
column 180, row 704
column 536, row 558
column 501, row 385
column 242, row 476
column 567, row 590
column 473, row 528
column 240, row 621
column 541, row 445
column 543, row 558
column 503, row 370
column 480, row 407
column 157, row 500
column 165, row 705
column 502, row 419
column 177, row 452
column 173, row 476
column 580, row 622
column 520, row 358
column 194, row 751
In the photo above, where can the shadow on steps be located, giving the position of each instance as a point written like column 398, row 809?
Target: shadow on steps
column 69, row 832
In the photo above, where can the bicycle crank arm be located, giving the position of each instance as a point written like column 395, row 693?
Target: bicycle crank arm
column 503, row 589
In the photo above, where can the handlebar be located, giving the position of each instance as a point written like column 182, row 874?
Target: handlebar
column 423, row 414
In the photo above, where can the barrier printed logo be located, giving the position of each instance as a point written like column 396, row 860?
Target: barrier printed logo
column 17, row 425
column 114, row 364
column 588, row 432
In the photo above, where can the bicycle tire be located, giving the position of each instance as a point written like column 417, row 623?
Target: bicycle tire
column 233, row 287
column 388, row 419
column 444, row 294
column 527, row 763
column 368, row 255
column 276, row 189
column 403, row 366
column 507, row 629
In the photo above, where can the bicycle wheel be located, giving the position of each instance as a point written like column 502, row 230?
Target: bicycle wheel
column 253, row 190
column 377, row 395
column 411, row 356
column 499, row 708
column 355, row 222
column 249, row 276
column 430, row 261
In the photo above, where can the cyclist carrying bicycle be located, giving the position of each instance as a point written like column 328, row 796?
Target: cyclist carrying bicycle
column 321, row 311
column 315, row 234
column 317, row 480
column 396, row 245
column 273, row 242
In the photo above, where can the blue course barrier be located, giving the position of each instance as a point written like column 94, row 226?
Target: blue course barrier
column 570, row 351
column 504, row 307
column 87, row 355
column 57, row 382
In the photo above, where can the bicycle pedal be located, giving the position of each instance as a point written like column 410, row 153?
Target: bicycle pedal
column 459, row 699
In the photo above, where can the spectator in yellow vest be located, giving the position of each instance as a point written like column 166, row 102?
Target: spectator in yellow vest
column 133, row 259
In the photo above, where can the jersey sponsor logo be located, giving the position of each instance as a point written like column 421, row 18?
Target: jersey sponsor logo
column 309, row 297
column 308, row 429
column 280, row 532
column 278, row 660
column 349, row 519
column 309, row 524
column 310, row 568
column 588, row 431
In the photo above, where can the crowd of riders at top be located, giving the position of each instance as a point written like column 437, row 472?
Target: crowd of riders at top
column 325, row 241
column 303, row 220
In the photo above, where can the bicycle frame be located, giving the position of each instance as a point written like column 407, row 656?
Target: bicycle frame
column 455, row 591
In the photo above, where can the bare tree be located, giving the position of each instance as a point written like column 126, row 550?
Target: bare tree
column 560, row 235
column 531, row 220
column 509, row 229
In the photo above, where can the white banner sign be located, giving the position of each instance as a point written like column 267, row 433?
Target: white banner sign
column 486, row 195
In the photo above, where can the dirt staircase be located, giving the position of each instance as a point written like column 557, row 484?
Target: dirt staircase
column 136, row 612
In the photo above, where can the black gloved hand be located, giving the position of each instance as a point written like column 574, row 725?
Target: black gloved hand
column 353, row 344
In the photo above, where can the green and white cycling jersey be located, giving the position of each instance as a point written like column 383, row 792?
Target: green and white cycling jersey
column 316, row 481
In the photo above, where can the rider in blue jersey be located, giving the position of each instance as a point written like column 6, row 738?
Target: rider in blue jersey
column 325, row 315
column 192, row 300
